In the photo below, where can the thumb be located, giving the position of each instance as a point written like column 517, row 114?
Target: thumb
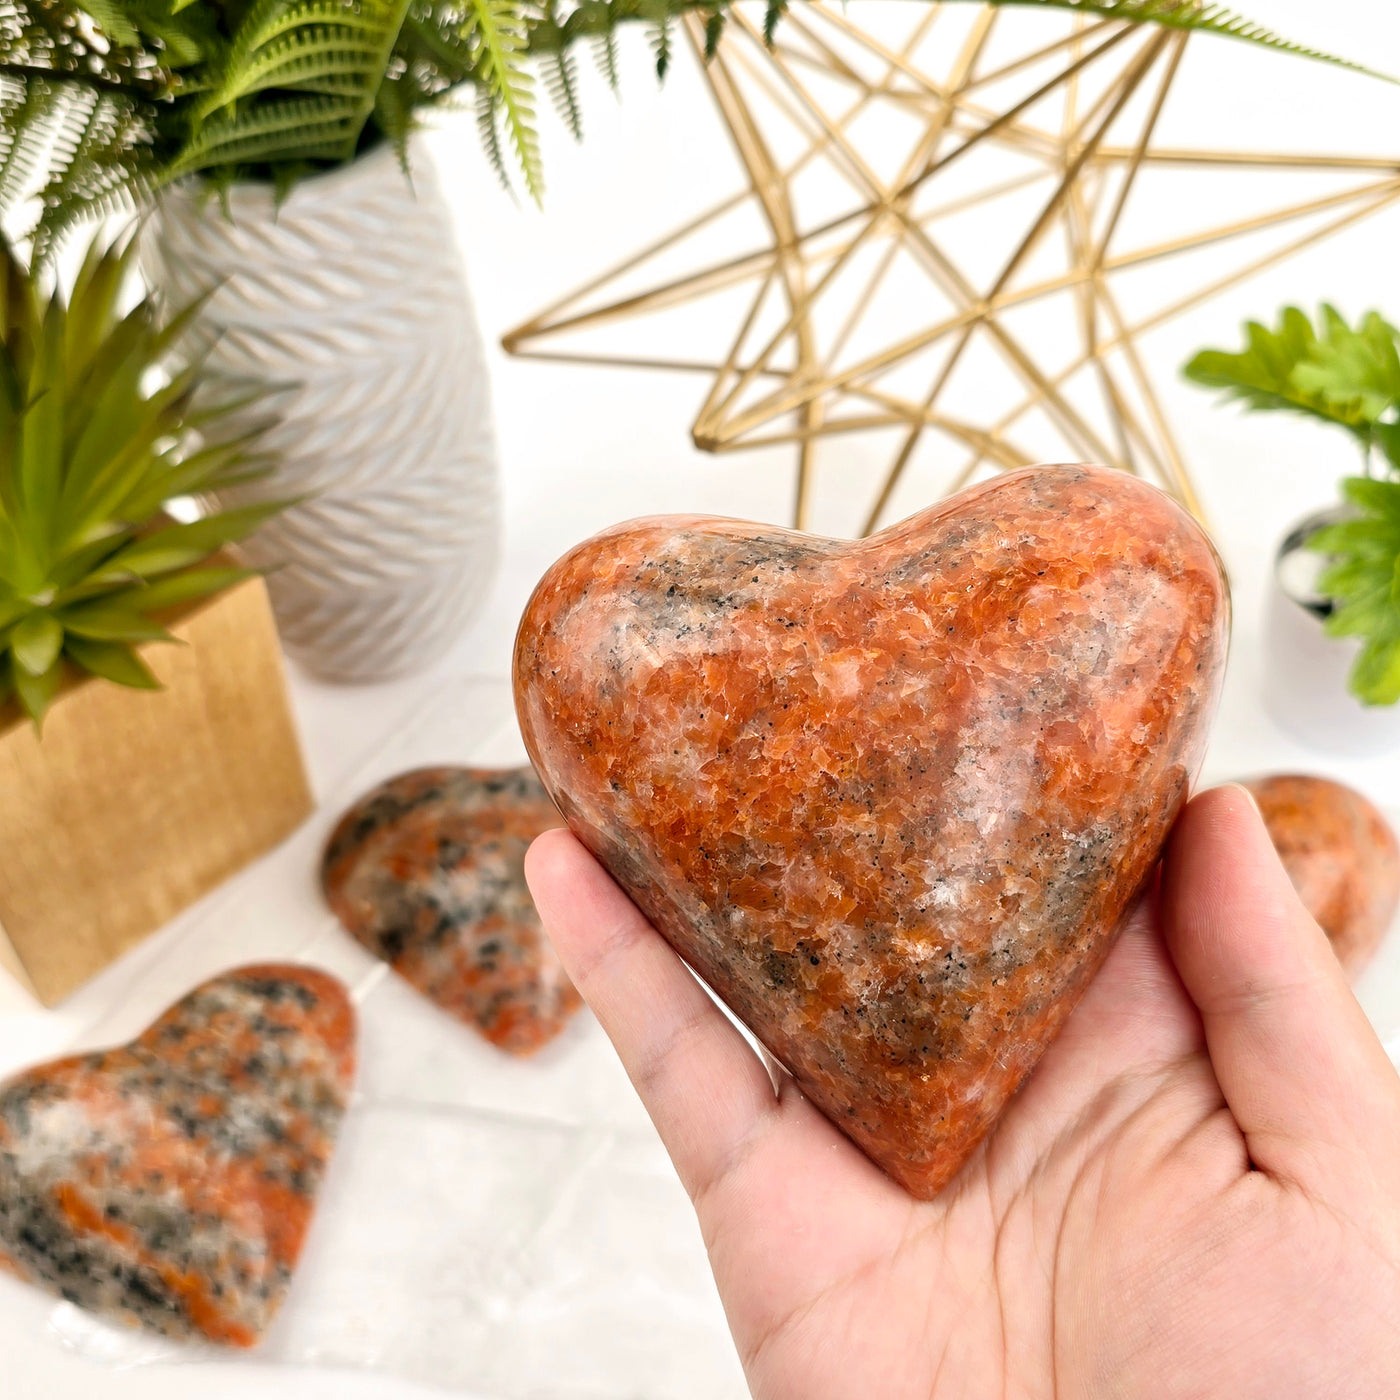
column 1301, row 1069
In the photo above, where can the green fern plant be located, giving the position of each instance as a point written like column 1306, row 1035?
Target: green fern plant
column 104, row 101
column 1348, row 377
column 91, row 451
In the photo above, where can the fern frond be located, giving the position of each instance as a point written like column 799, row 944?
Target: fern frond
column 306, row 128
column 605, row 53
column 772, row 16
column 496, row 29
column 489, row 127
column 659, row 14
column 100, row 162
column 393, row 115
column 282, row 43
column 29, row 111
column 562, row 81
column 714, row 32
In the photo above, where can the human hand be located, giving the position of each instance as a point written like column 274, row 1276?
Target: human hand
column 1195, row 1194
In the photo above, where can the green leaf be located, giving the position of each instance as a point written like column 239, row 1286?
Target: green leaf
column 112, row 662
column 117, row 618
column 189, row 587
column 1357, row 371
column 1362, row 577
column 36, row 693
column 1376, row 498
column 36, row 642
column 12, row 609
column 1375, row 675
column 1331, row 372
column 179, row 546
column 41, row 429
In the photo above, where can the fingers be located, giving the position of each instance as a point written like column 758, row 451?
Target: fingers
column 1299, row 1065
column 786, row 1203
column 706, row 1091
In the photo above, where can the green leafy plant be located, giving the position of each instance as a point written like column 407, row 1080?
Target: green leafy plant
column 104, row 101
column 1349, row 377
column 95, row 440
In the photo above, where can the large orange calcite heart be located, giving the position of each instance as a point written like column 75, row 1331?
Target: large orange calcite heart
column 891, row 799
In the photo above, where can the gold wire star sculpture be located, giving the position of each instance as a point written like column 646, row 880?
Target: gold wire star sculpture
column 867, row 301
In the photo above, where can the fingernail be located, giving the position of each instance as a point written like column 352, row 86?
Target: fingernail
column 1248, row 797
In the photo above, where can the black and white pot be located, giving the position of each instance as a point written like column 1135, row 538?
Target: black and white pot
column 1305, row 670
column 349, row 301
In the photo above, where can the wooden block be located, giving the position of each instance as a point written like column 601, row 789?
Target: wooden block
column 135, row 803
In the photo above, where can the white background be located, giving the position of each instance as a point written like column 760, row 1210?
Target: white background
column 581, row 448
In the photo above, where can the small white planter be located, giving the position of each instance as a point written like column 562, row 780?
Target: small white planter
column 1305, row 670
column 351, row 301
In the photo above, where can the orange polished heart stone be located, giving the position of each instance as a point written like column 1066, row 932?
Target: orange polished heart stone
column 169, row 1184
column 893, row 798
column 1341, row 856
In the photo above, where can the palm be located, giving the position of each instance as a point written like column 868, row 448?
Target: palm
column 1128, row 1229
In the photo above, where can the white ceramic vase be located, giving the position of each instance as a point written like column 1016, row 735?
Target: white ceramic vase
column 1305, row 670
column 349, row 302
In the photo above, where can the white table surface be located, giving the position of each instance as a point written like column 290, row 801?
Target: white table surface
column 581, row 448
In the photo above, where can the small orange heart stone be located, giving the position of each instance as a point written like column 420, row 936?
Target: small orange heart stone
column 169, row 1184
column 427, row 871
column 890, row 798
column 1341, row 856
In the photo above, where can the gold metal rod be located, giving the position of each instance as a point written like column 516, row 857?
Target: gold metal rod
column 1278, row 255
column 1130, row 175
column 538, row 324
column 1205, row 237
column 701, row 420
column 1069, row 420
column 1263, row 160
column 1175, row 465
column 565, row 357
column 1149, row 323
column 1074, row 40
column 862, row 304
column 800, row 307
column 911, row 345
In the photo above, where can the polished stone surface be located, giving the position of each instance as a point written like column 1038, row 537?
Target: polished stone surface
column 427, row 872
column 1341, row 855
column 169, row 1184
column 892, row 798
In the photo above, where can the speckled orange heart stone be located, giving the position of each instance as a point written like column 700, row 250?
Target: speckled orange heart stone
column 170, row 1183
column 427, row 871
column 1341, row 855
column 893, row 798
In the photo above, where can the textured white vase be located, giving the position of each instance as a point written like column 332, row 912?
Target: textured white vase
column 350, row 301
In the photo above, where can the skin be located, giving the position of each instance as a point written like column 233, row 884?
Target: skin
column 1195, row 1194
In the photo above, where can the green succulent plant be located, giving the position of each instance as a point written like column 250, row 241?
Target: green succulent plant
column 104, row 101
column 1347, row 376
column 95, row 441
